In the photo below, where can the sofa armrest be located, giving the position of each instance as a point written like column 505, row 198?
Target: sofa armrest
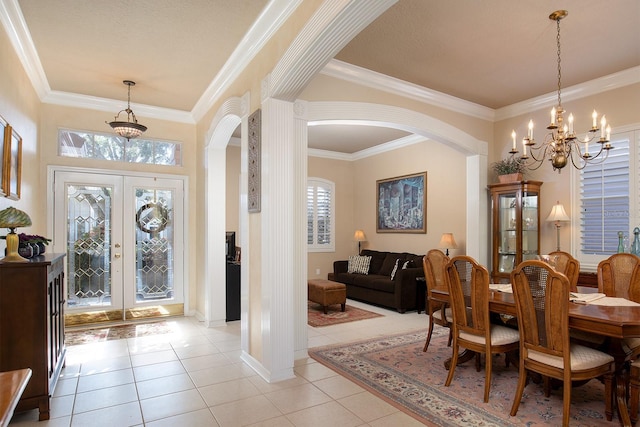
column 405, row 289
column 340, row 266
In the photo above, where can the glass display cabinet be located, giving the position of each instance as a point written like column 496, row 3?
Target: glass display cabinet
column 515, row 226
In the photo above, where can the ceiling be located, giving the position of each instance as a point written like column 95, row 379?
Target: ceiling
column 493, row 53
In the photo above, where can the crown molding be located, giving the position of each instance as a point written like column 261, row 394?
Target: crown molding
column 368, row 152
column 112, row 106
column 375, row 80
column 269, row 21
column 592, row 87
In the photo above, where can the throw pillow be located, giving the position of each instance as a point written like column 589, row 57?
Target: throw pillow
column 358, row 264
column 389, row 262
column 405, row 265
column 395, row 268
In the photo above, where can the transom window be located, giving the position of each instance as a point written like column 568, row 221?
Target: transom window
column 320, row 215
column 102, row 146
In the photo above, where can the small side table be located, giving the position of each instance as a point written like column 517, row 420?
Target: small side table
column 421, row 294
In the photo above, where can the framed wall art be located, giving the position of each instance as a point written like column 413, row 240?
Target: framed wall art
column 254, row 159
column 402, row 204
column 3, row 137
column 12, row 163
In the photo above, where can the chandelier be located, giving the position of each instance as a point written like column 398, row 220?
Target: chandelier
column 561, row 143
column 129, row 129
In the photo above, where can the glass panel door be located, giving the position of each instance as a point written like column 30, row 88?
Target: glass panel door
column 508, row 231
column 124, row 242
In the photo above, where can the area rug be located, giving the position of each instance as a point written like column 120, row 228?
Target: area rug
column 396, row 369
column 334, row 316
column 107, row 333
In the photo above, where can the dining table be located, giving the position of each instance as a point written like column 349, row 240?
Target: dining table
column 614, row 322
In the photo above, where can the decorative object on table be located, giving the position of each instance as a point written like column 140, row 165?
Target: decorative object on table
column 635, row 247
column 359, row 237
column 558, row 215
column 317, row 318
column 254, row 160
column 34, row 242
column 620, row 242
column 131, row 128
column 402, row 204
column 13, row 218
column 395, row 369
column 12, row 163
column 562, row 143
column 447, row 242
column 511, row 169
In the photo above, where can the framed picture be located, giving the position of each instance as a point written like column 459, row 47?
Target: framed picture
column 3, row 137
column 12, row 163
column 402, row 204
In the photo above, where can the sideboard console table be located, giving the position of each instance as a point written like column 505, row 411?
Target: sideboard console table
column 32, row 325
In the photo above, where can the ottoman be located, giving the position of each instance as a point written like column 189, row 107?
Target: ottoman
column 326, row 293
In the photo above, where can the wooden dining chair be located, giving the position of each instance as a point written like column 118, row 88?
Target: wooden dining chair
column 566, row 264
column 434, row 262
column 472, row 329
column 619, row 276
column 542, row 302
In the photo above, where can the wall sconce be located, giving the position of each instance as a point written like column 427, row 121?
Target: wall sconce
column 12, row 218
column 448, row 242
column 359, row 237
column 558, row 215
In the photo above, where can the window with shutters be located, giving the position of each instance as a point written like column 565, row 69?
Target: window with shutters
column 607, row 201
column 320, row 215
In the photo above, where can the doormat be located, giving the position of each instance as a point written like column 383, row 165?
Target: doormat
column 117, row 332
column 334, row 316
column 397, row 370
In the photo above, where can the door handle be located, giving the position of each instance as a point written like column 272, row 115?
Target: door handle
column 117, row 245
column 116, row 255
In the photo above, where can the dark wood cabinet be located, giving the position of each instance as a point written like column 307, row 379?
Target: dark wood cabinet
column 32, row 325
column 515, row 226
column 233, row 291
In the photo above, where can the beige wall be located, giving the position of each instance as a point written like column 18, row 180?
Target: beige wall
column 233, row 191
column 20, row 107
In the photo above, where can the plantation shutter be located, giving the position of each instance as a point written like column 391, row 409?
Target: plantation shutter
column 605, row 201
column 320, row 212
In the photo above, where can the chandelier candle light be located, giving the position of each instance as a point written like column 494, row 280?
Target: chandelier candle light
column 129, row 129
column 561, row 143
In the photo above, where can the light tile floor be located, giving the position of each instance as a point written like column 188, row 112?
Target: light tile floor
column 195, row 377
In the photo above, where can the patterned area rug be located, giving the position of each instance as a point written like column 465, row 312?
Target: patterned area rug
column 317, row 318
column 108, row 333
column 396, row 369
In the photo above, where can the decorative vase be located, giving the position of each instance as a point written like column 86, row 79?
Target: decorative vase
column 25, row 250
column 511, row 177
column 41, row 247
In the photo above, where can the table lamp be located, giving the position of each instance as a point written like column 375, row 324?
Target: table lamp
column 448, row 242
column 12, row 218
column 558, row 215
column 359, row 237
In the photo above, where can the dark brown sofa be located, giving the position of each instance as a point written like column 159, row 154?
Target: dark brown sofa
column 377, row 287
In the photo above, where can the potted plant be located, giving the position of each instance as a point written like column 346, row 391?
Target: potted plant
column 510, row 169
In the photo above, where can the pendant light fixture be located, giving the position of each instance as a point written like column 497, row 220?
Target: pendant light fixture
column 562, row 144
column 131, row 128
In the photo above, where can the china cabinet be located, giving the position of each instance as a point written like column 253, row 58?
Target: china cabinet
column 515, row 226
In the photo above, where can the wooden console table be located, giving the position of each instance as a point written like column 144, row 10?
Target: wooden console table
column 12, row 385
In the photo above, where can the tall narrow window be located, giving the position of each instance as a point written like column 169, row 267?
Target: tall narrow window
column 605, row 200
column 320, row 215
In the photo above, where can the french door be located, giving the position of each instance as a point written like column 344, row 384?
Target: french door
column 123, row 236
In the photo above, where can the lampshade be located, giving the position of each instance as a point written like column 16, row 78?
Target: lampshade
column 359, row 236
column 131, row 128
column 558, row 214
column 12, row 218
column 447, row 241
